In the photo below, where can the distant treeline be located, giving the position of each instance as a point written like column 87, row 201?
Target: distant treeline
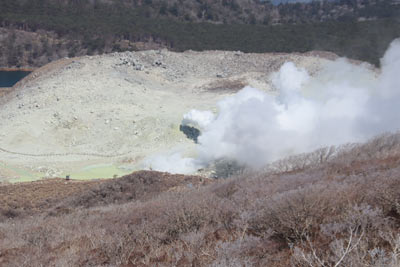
column 97, row 25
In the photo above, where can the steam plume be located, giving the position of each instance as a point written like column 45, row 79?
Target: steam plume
column 340, row 104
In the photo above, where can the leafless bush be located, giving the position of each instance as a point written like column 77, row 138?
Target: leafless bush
column 330, row 208
column 294, row 215
column 353, row 242
column 302, row 161
column 387, row 195
column 383, row 146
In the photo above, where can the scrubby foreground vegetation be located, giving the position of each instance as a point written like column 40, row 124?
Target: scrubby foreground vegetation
column 333, row 207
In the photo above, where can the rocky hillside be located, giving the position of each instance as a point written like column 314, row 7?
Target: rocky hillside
column 101, row 116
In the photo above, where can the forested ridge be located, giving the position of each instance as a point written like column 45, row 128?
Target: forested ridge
column 73, row 28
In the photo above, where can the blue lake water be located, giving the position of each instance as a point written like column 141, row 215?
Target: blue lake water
column 9, row 78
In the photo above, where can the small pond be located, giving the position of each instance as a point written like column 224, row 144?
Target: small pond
column 9, row 78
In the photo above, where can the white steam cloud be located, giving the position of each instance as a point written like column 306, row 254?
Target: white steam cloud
column 172, row 162
column 198, row 118
column 342, row 103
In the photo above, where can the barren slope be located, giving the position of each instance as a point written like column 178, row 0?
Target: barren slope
column 102, row 116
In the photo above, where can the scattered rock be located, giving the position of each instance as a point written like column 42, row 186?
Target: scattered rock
column 140, row 67
column 158, row 63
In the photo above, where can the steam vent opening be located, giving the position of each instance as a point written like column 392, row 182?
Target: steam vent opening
column 191, row 133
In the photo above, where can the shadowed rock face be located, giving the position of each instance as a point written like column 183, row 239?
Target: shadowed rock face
column 113, row 111
column 190, row 132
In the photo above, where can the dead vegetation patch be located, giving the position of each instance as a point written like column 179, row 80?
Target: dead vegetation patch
column 33, row 197
column 141, row 185
column 224, row 85
column 323, row 214
column 61, row 196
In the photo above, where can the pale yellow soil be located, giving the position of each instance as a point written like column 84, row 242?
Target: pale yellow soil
column 101, row 116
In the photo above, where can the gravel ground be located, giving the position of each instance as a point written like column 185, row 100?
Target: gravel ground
column 101, row 116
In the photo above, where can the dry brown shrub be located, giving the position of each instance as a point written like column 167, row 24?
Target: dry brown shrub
column 325, row 208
